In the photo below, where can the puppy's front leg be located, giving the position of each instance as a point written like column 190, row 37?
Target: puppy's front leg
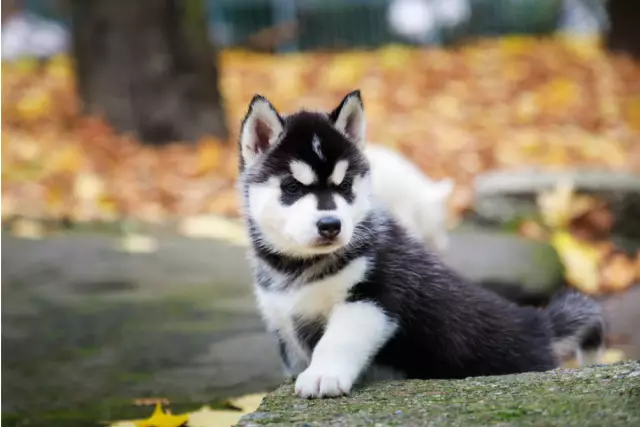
column 354, row 334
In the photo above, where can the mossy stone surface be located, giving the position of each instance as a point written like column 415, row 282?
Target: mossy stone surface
column 599, row 396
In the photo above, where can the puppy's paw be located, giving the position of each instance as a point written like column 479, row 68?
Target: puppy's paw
column 323, row 383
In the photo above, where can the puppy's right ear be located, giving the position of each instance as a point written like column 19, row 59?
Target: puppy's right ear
column 261, row 127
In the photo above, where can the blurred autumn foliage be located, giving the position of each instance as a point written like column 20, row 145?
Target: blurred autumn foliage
column 499, row 103
column 579, row 228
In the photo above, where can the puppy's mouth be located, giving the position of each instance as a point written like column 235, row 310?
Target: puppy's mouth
column 325, row 242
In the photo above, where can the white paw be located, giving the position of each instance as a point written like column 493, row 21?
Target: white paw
column 327, row 383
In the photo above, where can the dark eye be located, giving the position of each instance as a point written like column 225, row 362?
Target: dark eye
column 346, row 184
column 291, row 186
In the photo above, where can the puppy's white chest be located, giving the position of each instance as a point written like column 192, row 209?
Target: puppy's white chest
column 313, row 300
column 284, row 309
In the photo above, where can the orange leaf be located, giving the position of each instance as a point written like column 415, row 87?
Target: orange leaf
column 618, row 272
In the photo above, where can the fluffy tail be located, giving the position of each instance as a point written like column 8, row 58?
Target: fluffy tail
column 578, row 326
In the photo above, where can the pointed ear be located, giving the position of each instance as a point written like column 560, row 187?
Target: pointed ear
column 261, row 127
column 349, row 118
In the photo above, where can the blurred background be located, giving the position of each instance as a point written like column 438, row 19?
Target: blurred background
column 124, row 277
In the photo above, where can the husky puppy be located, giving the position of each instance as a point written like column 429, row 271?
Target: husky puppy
column 348, row 291
column 417, row 202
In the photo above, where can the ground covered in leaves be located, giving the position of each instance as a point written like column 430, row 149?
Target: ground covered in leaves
column 509, row 102
column 504, row 103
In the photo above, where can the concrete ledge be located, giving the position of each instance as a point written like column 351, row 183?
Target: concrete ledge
column 596, row 396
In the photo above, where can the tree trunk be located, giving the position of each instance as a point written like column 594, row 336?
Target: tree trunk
column 624, row 34
column 147, row 66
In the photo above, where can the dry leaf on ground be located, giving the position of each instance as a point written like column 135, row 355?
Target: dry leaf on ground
column 203, row 417
column 138, row 243
column 618, row 272
column 580, row 260
column 561, row 205
column 546, row 104
column 162, row 418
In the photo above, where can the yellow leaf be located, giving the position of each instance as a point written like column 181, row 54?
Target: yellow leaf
column 207, row 417
column 159, row 418
column 208, row 156
column 27, row 228
column 248, row 403
column 515, row 45
column 394, row 57
column 34, row 104
column 613, row 355
column 88, row 186
column 138, row 243
column 609, row 356
column 586, row 47
column 618, row 273
column 67, row 159
column 213, row 227
column 580, row 261
column 632, row 111
column 560, row 205
column 60, row 67
column 345, row 71
column 559, row 93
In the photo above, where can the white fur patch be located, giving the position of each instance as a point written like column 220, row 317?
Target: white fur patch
column 316, row 147
column 339, row 172
column 354, row 334
column 417, row 202
column 310, row 301
column 302, row 172
column 292, row 229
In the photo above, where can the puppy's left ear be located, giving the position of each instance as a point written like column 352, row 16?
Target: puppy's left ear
column 260, row 129
column 349, row 118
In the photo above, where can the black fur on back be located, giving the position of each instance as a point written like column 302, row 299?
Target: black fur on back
column 448, row 327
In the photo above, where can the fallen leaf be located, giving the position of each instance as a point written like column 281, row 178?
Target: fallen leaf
column 613, row 355
column 593, row 224
column 207, row 417
column 618, row 272
column 27, row 229
column 580, row 261
column 88, row 186
column 209, row 155
column 608, row 357
column 560, row 205
column 213, row 227
column 533, row 230
column 160, row 418
column 249, row 402
column 138, row 243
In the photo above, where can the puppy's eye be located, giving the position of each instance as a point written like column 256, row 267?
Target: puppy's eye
column 291, row 186
column 346, row 184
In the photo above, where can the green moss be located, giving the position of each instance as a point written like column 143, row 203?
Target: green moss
column 595, row 396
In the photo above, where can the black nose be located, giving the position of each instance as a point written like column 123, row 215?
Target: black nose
column 328, row 226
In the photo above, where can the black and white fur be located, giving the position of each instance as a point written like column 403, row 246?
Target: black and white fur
column 368, row 297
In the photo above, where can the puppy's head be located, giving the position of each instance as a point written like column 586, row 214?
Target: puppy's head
column 305, row 179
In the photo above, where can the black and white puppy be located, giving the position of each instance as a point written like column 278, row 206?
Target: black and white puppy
column 349, row 292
